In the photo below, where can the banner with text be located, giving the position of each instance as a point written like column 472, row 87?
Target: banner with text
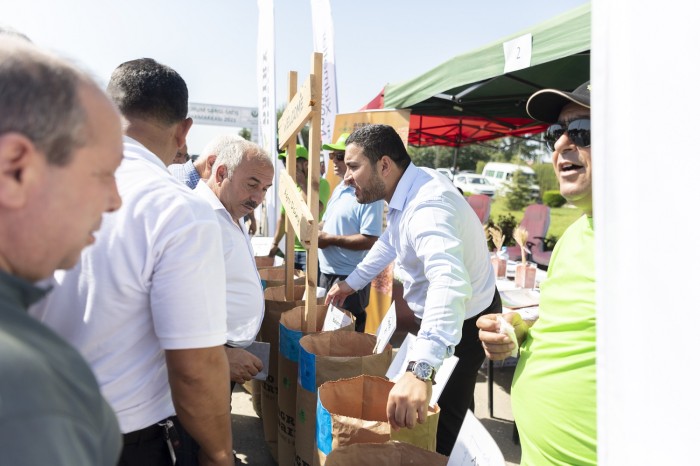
column 324, row 42
column 267, row 114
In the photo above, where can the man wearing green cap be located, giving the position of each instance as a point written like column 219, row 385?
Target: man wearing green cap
column 324, row 192
column 347, row 233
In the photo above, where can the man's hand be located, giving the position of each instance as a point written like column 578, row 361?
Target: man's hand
column 243, row 365
column 338, row 292
column 253, row 225
column 498, row 345
column 323, row 239
column 408, row 402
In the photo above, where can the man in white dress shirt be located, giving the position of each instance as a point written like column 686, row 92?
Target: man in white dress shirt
column 241, row 175
column 438, row 241
column 155, row 345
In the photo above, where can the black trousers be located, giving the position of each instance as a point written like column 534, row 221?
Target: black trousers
column 356, row 303
column 458, row 394
column 148, row 447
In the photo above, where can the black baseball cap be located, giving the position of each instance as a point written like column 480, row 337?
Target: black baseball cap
column 546, row 105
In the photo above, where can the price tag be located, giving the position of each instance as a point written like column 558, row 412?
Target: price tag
column 386, row 329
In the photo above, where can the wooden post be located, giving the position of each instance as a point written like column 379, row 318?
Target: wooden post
column 302, row 215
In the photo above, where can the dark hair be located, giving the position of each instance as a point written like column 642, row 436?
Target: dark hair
column 40, row 98
column 146, row 89
column 377, row 141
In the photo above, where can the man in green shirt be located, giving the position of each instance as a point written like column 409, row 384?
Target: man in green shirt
column 554, row 386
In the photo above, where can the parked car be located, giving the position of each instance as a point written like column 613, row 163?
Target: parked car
column 445, row 171
column 501, row 175
column 474, row 184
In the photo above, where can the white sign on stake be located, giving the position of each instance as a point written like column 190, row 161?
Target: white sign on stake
column 386, row 329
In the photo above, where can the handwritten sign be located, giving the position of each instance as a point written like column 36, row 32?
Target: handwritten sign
column 475, row 446
column 296, row 114
column 335, row 319
column 386, row 329
column 296, row 209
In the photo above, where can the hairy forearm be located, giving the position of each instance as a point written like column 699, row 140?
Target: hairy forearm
column 200, row 385
column 356, row 242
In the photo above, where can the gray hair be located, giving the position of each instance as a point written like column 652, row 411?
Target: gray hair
column 40, row 99
column 230, row 150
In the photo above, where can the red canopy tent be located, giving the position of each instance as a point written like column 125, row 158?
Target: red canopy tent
column 457, row 131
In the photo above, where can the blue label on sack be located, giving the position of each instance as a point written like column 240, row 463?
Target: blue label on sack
column 324, row 437
column 289, row 343
column 307, row 370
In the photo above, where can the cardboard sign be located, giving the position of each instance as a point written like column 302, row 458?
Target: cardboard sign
column 386, row 329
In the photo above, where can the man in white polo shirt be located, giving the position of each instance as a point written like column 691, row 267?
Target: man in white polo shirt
column 135, row 304
column 241, row 175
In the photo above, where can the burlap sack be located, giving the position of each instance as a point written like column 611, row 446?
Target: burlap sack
column 329, row 356
column 353, row 411
column 384, row 454
column 287, row 369
column 275, row 305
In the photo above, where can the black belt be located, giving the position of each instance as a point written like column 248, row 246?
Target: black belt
column 143, row 435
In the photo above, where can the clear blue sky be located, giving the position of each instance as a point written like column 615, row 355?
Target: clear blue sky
column 212, row 43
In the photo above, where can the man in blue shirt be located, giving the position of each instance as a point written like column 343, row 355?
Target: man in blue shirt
column 348, row 231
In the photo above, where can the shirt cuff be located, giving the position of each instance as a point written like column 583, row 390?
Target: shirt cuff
column 354, row 282
column 432, row 352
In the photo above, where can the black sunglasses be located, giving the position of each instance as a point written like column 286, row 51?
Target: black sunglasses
column 579, row 131
column 337, row 156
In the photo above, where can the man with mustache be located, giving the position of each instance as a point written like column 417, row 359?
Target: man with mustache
column 241, row 175
column 554, row 386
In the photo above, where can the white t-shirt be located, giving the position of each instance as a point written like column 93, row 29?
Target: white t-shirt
column 245, row 301
column 153, row 281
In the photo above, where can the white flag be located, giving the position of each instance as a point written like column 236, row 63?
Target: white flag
column 324, row 42
column 267, row 117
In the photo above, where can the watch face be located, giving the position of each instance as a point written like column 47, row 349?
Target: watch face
column 423, row 370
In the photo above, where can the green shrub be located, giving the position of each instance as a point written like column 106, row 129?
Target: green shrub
column 553, row 199
column 519, row 194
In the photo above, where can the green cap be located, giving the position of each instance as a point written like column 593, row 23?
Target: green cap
column 301, row 152
column 339, row 144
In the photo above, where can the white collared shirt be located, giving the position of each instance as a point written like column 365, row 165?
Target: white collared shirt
column 153, row 281
column 440, row 245
column 245, row 301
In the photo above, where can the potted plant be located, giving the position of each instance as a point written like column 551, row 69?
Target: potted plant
column 498, row 259
column 524, row 272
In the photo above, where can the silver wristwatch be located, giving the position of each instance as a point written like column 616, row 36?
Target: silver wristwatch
column 422, row 370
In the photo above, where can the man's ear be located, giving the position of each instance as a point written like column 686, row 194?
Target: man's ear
column 221, row 173
column 211, row 160
column 181, row 132
column 18, row 167
column 385, row 165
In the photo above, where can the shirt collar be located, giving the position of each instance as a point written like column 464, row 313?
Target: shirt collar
column 144, row 152
column 16, row 289
column 403, row 188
